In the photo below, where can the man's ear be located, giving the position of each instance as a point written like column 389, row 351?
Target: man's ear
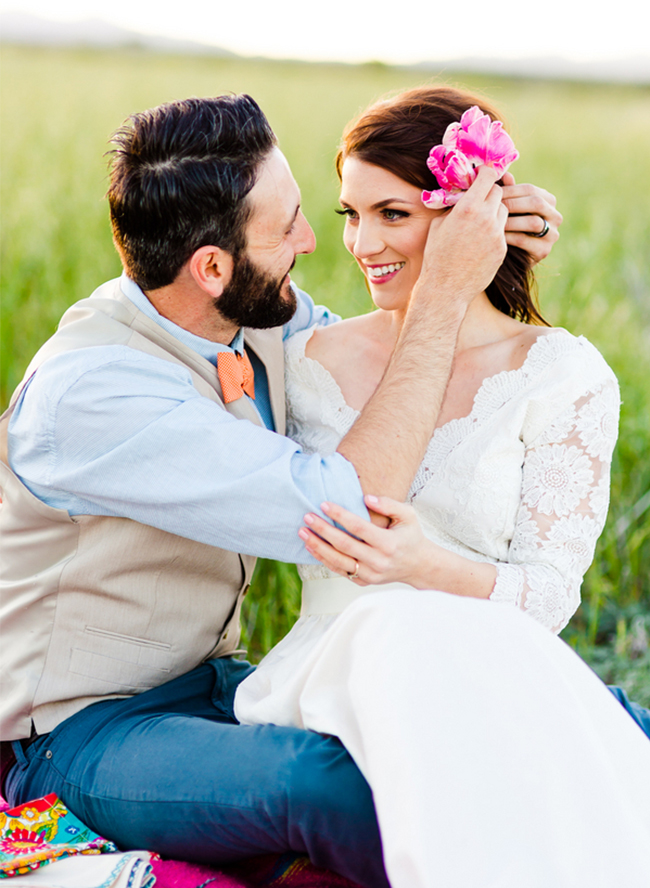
column 211, row 268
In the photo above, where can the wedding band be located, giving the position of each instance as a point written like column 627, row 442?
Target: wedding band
column 355, row 575
column 544, row 230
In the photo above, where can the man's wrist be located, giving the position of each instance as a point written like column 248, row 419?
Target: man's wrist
column 436, row 308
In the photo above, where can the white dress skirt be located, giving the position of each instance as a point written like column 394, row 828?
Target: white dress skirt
column 496, row 758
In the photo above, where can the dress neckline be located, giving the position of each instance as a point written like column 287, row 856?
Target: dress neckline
column 487, row 393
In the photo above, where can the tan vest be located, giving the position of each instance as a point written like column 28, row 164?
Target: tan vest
column 96, row 607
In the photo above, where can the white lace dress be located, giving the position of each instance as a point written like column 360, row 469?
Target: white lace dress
column 496, row 758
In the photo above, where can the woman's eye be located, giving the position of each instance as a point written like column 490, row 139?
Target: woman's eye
column 392, row 215
column 347, row 211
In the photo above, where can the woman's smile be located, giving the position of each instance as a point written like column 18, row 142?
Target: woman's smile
column 386, row 230
column 380, row 274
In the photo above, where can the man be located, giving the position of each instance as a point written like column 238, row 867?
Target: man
column 139, row 481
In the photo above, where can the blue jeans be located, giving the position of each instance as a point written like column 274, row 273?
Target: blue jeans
column 171, row 770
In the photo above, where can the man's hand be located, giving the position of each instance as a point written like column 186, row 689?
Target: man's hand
column 467, row 244
column 464, row 250
column 529, row 207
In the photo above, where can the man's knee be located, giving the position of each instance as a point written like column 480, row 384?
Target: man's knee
column 325, row 779
column 332, row 814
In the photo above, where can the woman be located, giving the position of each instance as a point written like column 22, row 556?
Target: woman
column 496, row 758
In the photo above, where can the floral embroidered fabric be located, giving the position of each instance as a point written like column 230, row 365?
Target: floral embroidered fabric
column 522, row 481
column 43, row 831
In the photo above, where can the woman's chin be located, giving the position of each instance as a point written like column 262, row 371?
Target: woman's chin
column 389, row 298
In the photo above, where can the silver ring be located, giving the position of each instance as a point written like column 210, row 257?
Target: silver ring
column 355, row 575
column 545, row 230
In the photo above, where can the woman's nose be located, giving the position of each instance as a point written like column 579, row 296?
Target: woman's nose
column 367, row 241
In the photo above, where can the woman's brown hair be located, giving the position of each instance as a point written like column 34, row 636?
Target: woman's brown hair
column 397, row 134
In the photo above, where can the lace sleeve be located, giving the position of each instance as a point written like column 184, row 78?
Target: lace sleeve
column 564, row 500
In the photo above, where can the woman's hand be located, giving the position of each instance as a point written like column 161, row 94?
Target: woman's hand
column 397, row 553
column 529, row 208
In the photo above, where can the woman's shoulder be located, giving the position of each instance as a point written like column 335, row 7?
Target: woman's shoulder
column 333, row 343
column 322, row 340
column 564, row 376
column 350, row 352
column 556, row 351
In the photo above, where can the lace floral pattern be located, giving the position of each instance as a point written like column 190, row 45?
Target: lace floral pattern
column 565, row 495
column 522, row 481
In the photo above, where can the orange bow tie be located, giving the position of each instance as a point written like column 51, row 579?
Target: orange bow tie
column 235, row 374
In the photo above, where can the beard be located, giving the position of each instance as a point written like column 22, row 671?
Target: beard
column 253, row 298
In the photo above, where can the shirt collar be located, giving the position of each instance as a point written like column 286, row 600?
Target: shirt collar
column 204, row 347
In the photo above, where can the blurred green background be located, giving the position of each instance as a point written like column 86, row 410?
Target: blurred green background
column 589, row 144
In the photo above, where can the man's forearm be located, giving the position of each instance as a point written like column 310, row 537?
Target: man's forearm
column 462, row 255
column 388, row 441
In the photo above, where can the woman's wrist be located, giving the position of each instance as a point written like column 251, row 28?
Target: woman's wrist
column 446, row 571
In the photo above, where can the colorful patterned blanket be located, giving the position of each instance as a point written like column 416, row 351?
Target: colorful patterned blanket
column 273, row 871
column 44, row 831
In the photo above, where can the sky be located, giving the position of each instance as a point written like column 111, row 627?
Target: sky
column 399, row 31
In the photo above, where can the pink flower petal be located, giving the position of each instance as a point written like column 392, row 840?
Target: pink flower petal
column 472, row 141
column 470, row 116
column 500, row 149
column 475, row 141
column 451, row 168
column 438, row 200
column 459, row 170
column 450, row 138
column 487, row 143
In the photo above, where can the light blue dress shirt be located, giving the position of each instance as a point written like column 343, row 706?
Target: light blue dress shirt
column 113, row 431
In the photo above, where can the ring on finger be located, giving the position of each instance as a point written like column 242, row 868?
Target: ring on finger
column 545, row 230
column 355, row 574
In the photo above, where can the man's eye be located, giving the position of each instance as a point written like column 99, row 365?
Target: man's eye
column 347, row 211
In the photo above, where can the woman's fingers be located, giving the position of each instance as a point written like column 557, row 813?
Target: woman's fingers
column 359, row 527
column 337, row 561
column 524, row 207
column 526, row 191
column 341, row 540
column 529, row 225
column 527, row 237
column 372, row 554
column 393, row 509
column 531, row 210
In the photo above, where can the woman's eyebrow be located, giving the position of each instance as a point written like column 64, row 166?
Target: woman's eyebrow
column 380, row 204
column 390, row 200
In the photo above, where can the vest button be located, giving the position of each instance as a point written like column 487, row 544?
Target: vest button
column 246, row 588
column 225, row 634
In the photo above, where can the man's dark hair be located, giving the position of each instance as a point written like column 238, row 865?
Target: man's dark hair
column 179, row 177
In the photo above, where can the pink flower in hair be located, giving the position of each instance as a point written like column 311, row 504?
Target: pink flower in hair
column 474, row 142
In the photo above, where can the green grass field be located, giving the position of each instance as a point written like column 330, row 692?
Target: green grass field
column 588, row 144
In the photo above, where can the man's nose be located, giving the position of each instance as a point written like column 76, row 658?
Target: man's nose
column 305, row 237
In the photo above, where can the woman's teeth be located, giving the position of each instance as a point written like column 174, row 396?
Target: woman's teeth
column 381, row 270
